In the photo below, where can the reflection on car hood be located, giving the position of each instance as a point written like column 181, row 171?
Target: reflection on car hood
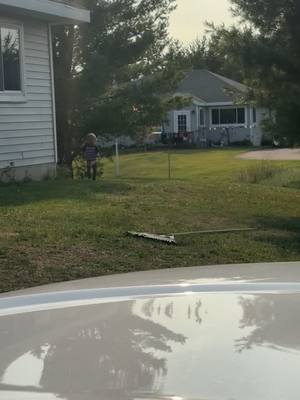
column 222, row 333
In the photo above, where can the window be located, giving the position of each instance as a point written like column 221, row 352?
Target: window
column 228, row 116
column 201, row 117
column 10, row 60
column 215, row 117
column 241, row 116
column 182, row 123
column 254, row 117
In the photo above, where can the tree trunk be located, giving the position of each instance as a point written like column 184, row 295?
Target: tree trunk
column 63, row 60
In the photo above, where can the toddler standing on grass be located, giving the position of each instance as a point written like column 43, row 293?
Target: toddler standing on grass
column 90, row 154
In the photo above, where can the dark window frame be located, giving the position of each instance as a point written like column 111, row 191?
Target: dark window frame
column 3, row 89
column 228, row 116
column 238, row 110
column 216, row 116
column 201, row 117
column 254, row 115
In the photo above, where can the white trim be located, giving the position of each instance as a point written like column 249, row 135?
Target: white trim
column 252, row 108
column 252, row 124
column 53, row 92
column 221, row 104
column 12, row 97
column 15, row 96
column 199, row 103
column 48, row 8
column 244, row 125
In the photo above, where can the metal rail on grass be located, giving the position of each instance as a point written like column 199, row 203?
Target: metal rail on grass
column 171, row 239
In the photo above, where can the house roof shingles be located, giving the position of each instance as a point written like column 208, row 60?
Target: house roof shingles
column 210, row 87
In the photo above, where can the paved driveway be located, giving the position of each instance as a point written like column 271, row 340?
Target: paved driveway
column 281, row 154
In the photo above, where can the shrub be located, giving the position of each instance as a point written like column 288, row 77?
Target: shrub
column 63, row 172
column 267, row 140
column 259, row 172
column 79, row 168
column 7, row 175
column 241, row 143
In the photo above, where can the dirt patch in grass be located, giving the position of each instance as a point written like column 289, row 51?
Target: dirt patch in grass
column 8, row 235
column 274, row 154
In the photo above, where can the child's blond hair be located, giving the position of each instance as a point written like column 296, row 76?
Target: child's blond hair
column 91, row 138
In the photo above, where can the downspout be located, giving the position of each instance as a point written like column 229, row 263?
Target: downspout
column 53, row 93
column 251, row 125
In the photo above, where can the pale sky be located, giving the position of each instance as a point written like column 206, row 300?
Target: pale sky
column 187, row 22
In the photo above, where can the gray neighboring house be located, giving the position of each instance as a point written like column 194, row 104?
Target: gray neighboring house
column 28, row 146
column 217, row 114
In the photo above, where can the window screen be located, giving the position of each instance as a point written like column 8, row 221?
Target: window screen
column 254, row 117
column 228, row 116
column 10, row 69
column 201, row 117
column 241, row 116
column 215, row 117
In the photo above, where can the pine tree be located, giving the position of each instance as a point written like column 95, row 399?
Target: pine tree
column 270, row 52
column 95, row 65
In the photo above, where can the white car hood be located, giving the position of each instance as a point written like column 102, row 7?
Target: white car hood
column 215, row 333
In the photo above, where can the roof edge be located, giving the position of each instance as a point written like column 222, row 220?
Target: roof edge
column 195, row 98
column 51, row 10
column 230, row 82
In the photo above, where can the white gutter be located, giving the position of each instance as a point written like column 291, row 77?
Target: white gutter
column 49, row 9
column 220, row 103
column 53, row 93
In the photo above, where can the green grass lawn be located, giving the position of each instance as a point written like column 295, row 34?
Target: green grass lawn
column 60, row 230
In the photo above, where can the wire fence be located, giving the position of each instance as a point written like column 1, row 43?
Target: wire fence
column 156, row 161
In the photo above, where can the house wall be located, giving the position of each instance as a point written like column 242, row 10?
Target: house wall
column 169, row 125
column 27, row 141
column 232, row 134
column 257, row 131
column 214, row 134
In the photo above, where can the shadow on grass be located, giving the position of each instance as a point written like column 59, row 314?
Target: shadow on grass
column 179, row 151
column 26, row 193
column 280, row 223
column 293, row 185
column 153, row 179
column 282, row 232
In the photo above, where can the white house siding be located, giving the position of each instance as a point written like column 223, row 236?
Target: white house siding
column 27, row 129
column 215, row 134
column 257, row 131
column 170, row 124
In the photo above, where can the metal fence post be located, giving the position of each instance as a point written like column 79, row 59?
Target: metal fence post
column 117, row 159
column 169, row 164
